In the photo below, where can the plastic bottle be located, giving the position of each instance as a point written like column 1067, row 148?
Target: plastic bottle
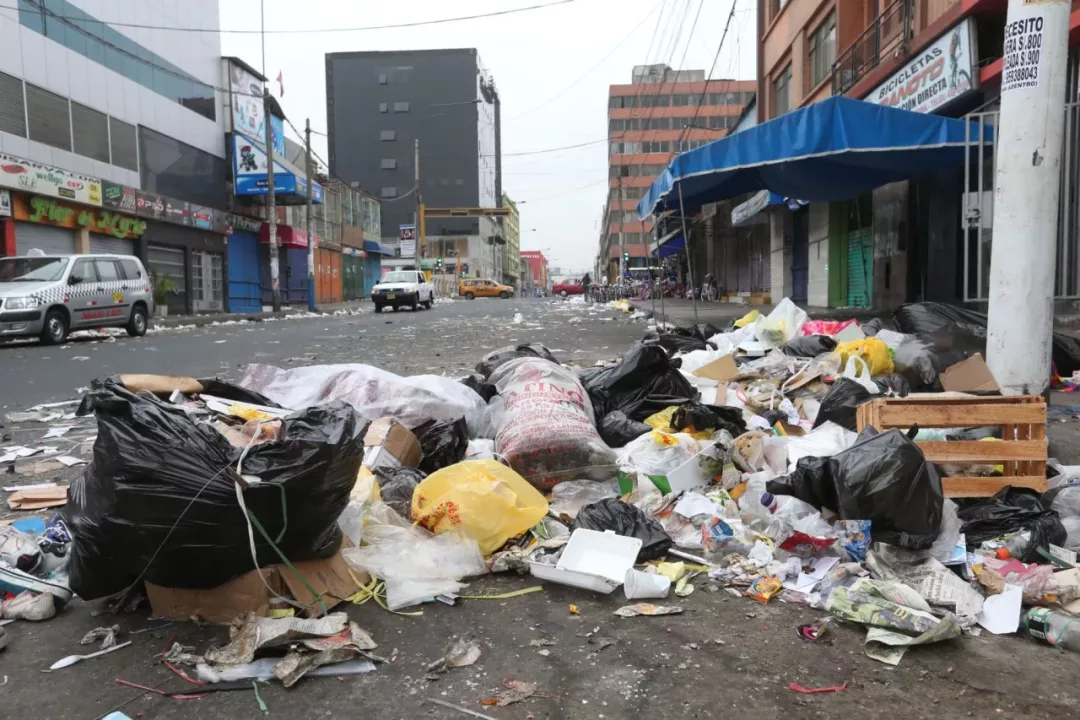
column 769, row 501
column 1054, row 628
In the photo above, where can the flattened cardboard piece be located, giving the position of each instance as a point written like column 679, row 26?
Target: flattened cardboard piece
column 390, row 444
column 38, row 499
column 721, row 370
column 161, row 385
column 971, row 375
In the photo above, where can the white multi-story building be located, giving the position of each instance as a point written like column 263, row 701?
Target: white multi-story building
column 114, row 104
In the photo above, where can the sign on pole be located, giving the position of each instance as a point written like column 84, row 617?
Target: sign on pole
column 407, row 236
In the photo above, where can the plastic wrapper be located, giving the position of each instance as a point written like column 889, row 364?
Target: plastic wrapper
column 617, row 430
column 625, row 520
column 826, row 327
column 781, row 325
column 442, row 443
column 489, row 502
column 397, row 485
column 569, row 497
column 883, row 478
column 1012, row 510
column 636, row 381
column 373, row 392
column 544, row 421
column 490, row 362
column 416, row 565
column 840, row 405
column 159, row 495
column 809, row 346
column 854, row 537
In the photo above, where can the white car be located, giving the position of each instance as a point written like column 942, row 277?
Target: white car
column 403, row 288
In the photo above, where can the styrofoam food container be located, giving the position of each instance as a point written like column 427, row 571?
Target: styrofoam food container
column 592, row 560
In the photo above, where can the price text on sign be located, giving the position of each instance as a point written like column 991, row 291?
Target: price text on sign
column 1022, row 59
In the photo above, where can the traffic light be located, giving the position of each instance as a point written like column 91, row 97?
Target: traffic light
column 626, row 256
column 464, row 274
column 438, row 264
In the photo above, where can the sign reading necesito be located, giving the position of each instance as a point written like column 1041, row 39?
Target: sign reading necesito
column 1021, row 61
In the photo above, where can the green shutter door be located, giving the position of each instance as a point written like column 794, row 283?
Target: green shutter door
column 860, row 267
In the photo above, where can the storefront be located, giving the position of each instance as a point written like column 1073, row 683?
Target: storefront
column 193, row 259
column 73, row 193
column 373, row 265
column 60, row 228
column 352, row 274
column 292, row 265
column 327, row 275
column 245, row 266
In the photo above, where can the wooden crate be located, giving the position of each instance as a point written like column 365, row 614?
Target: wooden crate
column 1022, row 449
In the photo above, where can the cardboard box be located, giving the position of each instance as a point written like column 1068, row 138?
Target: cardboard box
column 247, row 593
column 389, row 444
column 971, row 375
column 722, row 370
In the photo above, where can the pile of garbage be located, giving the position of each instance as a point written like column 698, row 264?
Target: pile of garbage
column 702, row 458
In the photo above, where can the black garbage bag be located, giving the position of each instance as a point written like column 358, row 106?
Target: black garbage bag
column 708, row 417
column 396, row 486
column 923, row 358
column 625, row 520
column 808, row 346
column 1013, row 510
column 647, row 370
column 875, row 325
column 702, row 331
column 210, row 386
column 495, row 358
column 840, row 404
column 480, row 386
column 158, row 500
column 443, row 443
column 883, row 478
column 928, row 317
column 617, row 430
column 894, row 385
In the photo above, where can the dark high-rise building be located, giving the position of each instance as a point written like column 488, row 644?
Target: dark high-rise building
column 379, row 104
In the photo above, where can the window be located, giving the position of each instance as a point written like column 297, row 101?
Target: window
column 633, row 124
column 95, row 40
column 178, row 170
column 131, row 269
column 50, row 121
column 823, row 50
column 401, row 107
column 782, row 92
column 388, row 192
column 613, row 125
column 384, row 107
column 90, row 130
column 657, row 123
column 107, row 270
column 384, row 79
column 388, row 164
column 85, row 270
column 124, row 145
column 716, row 98
column 387, row 135
column 12, row 107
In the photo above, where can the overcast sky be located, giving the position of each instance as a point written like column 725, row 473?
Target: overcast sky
column 552, row 67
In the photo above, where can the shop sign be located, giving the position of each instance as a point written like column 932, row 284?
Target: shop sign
column 177, row 212
column 5, row 203
column 934, row 77
column 47, row 211
column 149, row 205
column 19, row 174
column 117, row 197
column 248, row 108
column 250, row 166
column 202, row 217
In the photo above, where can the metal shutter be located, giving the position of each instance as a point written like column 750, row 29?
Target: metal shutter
column 49, row 240
column 111, row 246
column 12, row 106
column 90, row 130
column 860, row 267
column 49, row 116
column 125, row 151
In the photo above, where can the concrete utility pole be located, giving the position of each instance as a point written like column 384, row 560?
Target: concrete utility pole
column 622, row 240
column 271, row 204
column 416, row 211
column 310, row 233
column 1026, row 195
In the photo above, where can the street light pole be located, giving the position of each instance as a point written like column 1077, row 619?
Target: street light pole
column 416, row 206
column 271, row 199
column 310, row 233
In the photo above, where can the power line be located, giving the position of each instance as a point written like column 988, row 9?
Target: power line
column 299, row 31
column 716, row 58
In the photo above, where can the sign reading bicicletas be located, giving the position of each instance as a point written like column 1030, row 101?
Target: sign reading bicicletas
column 933, row 77
column 19, row 174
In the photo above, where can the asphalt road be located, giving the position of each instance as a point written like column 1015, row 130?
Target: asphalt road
column 724, row 656
column 448, row 339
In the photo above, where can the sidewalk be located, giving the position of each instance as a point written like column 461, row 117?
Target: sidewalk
column 211, row 318
column 681, row 311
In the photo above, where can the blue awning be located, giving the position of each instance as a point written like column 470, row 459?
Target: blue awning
column 372, row 246
column 832, row 150
column 671, row 244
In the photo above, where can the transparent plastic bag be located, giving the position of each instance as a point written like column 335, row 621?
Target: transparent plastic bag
column 544, row 421
column 570, row 496
column 781, row 325
column 658, row 453
column 416, row 565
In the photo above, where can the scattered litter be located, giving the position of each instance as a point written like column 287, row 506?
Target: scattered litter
column 646, row 609
column 107, row 636
column 813, row 691
column 72, row 659
column 39, row 499
column 516, row 691
column 460, row 653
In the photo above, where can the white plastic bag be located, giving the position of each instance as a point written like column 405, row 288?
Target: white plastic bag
column 480, row 449
column 417, row 565
column 375, row 393
column 856, row 369
column 781, row 325
column 570, row 496
column 825, row 440
column 544, row 422
column 658, row 453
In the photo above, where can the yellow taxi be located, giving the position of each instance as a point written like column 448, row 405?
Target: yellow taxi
column 474, row 288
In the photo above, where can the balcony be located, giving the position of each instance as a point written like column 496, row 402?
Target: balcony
column 887, row 32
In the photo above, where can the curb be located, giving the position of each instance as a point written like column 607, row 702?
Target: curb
column 204, row 320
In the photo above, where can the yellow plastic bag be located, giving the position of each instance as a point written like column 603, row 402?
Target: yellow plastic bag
column 747, row 318
column 661, row 422
column 490, row 502
column 872, row 351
